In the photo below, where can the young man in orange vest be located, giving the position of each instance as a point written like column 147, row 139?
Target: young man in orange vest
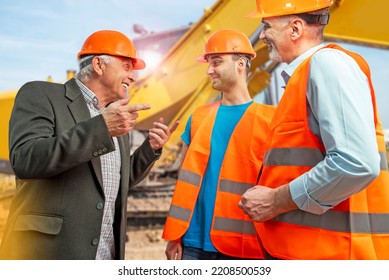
column 223, row 153
column 324, row 188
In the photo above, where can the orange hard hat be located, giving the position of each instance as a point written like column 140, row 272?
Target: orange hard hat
column 273, row 8
column 227, row 41
column 112, row 43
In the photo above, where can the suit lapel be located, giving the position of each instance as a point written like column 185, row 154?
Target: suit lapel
column 80, row 112
column 124, row 146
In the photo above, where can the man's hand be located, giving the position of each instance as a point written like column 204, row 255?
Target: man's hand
column 160, row 134
column 174, row 250
column 262, row 203
column 120, row 117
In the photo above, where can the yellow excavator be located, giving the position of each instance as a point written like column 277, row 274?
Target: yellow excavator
column 179, row 84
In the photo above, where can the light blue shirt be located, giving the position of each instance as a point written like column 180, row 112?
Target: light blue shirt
column 341, row 113
column 198, row 234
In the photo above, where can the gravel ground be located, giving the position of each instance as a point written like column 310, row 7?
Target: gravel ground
column 145, row 244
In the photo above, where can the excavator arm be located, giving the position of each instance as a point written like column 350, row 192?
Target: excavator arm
column 180, row 84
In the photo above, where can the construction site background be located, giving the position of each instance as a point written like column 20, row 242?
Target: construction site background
column 179, row 84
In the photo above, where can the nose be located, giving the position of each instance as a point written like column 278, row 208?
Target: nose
column 262, row 35
column 131, row 76
column 210, row 70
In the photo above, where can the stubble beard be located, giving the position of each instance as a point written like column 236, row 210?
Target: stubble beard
column 274, row 54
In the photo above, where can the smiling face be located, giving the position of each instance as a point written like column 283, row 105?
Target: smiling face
column 276, row 35
column 222, row 71
column 117, row 76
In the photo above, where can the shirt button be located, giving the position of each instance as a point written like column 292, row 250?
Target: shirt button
column 105, row 150
column 99, row 205
column 95, row 242
column 95, row 154
column 100, row 152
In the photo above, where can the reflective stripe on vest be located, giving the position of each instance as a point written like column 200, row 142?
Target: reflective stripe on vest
column 232, row 225
column 293, row 157
column 225, row 224
column 189, row 177
column 181, row 213
column 234, row 187
column 303, row 157
column 339, row 221
column 383, row 161
column 232, row 231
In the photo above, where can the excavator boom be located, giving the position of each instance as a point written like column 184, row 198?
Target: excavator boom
column 180, row 84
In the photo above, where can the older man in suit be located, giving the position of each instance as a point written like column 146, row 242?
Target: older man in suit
column 70, row 151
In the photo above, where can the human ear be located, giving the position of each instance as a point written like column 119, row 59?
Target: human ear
column 296, row 28
column 97, row 63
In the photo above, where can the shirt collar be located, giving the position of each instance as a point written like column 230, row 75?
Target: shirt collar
column 290, row 68
column 89, row 96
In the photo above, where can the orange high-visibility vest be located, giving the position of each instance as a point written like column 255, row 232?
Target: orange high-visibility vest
column 232, row 231
column 357, row 228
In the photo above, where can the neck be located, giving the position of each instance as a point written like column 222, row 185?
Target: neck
column 236, row 97
column 96, row 89
column 302, row 48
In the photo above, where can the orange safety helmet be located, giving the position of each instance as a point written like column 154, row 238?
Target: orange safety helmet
column 227, row 41
column 112, row 43
column 272, row 8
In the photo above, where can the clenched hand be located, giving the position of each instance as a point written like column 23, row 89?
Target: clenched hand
column 262, row 203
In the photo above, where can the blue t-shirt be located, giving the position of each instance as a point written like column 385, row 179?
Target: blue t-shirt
column 198, row 234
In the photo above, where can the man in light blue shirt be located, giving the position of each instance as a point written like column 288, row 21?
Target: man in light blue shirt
column 340, row 113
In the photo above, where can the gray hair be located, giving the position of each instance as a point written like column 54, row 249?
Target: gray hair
column 86, row 69
column 315, row 29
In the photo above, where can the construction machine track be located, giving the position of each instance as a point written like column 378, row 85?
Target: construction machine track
column 148, row 204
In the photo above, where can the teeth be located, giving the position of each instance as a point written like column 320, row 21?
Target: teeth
column 125, row 86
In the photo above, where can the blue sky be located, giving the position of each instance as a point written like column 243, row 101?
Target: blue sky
column 39, row 38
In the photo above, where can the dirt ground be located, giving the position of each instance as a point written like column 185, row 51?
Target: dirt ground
column 145, row 244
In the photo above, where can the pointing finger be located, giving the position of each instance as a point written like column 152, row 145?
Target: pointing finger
column 137, row 107
column 174, row 126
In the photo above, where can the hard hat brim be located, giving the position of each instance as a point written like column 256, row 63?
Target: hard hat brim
column 253, row 14
column 139, row 64
column 201, row 58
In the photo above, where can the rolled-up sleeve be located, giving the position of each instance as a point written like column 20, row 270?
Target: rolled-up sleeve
column 341, row 114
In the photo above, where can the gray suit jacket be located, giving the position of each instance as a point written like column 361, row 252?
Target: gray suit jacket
column 55, row 149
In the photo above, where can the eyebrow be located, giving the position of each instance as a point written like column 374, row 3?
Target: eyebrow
column 213, row 57
column 125, row 60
